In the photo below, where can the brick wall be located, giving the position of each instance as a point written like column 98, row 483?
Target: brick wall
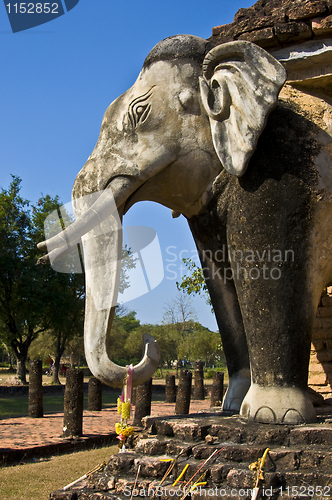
column 278, row 23
column 320, row 368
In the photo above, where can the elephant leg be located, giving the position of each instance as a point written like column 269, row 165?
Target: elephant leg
column 278, row 314
column 226, row 307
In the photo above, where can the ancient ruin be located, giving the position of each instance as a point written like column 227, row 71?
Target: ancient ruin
column 288, row 176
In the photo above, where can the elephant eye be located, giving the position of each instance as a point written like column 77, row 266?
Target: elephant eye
column 139, row 109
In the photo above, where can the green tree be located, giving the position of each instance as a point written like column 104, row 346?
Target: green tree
column 194, row 283
column 65, row 291
column 22, row 291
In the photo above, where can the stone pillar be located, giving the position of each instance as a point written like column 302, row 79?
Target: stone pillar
column 217, row 389
column 143, row 402
column 170, row 389
column 73, row 403
column 198, row 380
column 36, row 389
column 94, row 395
column 183, row 393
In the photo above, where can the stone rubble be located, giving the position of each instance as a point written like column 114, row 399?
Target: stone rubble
column 300, row 456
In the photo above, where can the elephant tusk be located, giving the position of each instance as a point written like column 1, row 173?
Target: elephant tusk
column 91, row 217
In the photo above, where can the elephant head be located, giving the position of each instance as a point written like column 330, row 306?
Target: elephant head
column 193, row 111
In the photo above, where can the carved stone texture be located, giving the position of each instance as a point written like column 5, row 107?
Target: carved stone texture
column 170, row 389
column 260, row 179
column 184, row 393
column 264, row 38
column 94, row 395
column 73, row 403
column 305, row 10
column 292, row 32
column 35, row 409
column 322, row 26
column 143, row 401
column 198, row 380
column 251, row 24
column 217, row 389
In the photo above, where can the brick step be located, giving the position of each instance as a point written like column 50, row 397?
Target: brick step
column 223, row 481
column 195, row 428
column 290, row 458
column 300, row 457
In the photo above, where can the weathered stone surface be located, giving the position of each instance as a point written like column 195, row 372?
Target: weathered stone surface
column 157, row 426
column 183, row 394
column 319, row 379
column 321, row 356
column 318, row 345
column 203, row 452
column 325, row 312
column 123, row 485
column 151, row 467
column 265, row 38
column 73, row 403
column 311, row 435
column 122, row 462
column 219, row 472
column 327, row 367
column 170, row 389
column 237, row 478
column 241, row 453
column 323, row 323
column 152, row 446
column 217, row 389
column 190, row 432
column 143, row 402
column 174, row 448
column 310, row 479
column 326, row 301
column 225, row 433
column 94, row 395
column 223, row 29
column 321, row 332
column 305, row 10
column 322, row 27
column 283, row 459
column 198, row 380
column 100, row 482
column 35, row 408
column 263, row 15
column 295, row 32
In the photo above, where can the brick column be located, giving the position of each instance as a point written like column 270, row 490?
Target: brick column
column 320, row 368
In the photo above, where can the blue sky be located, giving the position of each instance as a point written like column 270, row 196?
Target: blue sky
column 56, row 82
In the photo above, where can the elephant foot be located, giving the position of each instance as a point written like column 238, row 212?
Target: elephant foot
column 278, row 405
column 237, row 388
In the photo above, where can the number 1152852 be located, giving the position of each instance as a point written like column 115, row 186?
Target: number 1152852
column 32, row 8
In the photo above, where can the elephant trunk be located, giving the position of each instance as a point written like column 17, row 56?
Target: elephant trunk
column 102, row 259
column 99, row 225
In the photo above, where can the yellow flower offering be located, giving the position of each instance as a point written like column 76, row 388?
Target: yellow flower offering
column 119, row 406
column 125, row 430
column 125, row 415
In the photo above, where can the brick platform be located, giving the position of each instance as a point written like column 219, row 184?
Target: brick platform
column 26, row 437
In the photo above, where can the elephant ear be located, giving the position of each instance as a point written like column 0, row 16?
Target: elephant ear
column 239, row 88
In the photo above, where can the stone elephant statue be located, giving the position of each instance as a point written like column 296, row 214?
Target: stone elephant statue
column 201, row 132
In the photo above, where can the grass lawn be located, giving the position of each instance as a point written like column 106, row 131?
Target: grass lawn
column 35, row 481
column 17, row 406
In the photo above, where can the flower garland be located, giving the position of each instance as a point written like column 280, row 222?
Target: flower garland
column 124, row 407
